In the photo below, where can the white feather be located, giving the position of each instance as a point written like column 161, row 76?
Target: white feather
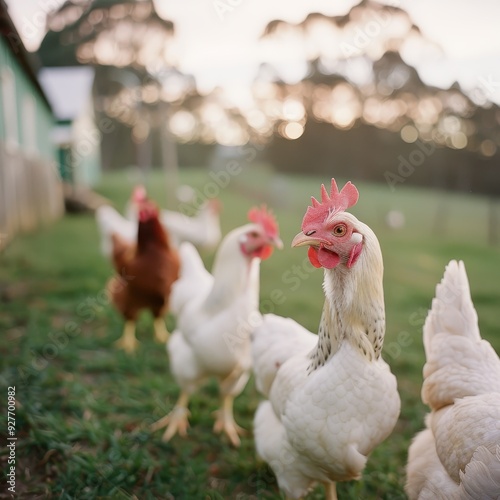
column 274, row 342
column 462, row 388
column 202, row 230
column 110, row 222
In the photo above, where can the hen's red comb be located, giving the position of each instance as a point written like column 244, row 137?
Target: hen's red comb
column 139, row 193
column 331, row 203
column 266, row 219
column 147, row 211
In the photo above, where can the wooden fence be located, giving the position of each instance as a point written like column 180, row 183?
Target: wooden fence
column 30, row 193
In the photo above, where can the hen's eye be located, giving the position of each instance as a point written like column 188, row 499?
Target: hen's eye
column 339, row 230
column 254, row 234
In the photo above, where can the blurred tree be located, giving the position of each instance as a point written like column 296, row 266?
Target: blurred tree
column 107, row 33
column 130, row 47
column 152, row 104
column 362, row 107
column 359, row 104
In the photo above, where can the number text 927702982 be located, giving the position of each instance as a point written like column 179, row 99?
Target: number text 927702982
column 11, row 439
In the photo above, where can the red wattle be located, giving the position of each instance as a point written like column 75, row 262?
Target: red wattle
column 323, row 258
column 264, row 252
column 312, row 253
column 327, row 258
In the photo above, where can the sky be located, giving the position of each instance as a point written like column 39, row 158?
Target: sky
column 217, row 39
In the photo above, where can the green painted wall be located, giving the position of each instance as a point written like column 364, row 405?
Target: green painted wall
column 24, row 89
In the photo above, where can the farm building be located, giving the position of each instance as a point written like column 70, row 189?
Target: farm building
column 30, row 187
column 69, row 91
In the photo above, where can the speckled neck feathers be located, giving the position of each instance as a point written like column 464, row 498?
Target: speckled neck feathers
column 354, row 306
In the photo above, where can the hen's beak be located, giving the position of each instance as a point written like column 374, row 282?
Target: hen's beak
column 301, row 240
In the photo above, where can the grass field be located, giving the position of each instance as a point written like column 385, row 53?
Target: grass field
column 83, row 408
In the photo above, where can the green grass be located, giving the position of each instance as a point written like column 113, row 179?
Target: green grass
column 83, row 408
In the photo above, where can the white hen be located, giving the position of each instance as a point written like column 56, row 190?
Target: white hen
column 334, row 399
column 215, row 316
column 110, row 221
column 202, row 230
column 458, row 455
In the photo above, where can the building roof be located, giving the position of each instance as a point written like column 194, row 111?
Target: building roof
column 27, row 61
column 68, row 89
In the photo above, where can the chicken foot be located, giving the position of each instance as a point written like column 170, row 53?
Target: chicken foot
column 127, row 341
column 161, row 332
column 176, row 421
column 225, row 421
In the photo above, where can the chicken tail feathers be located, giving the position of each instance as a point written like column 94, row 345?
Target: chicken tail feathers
column 459, row 363
column 452, row 309
column 457, row 456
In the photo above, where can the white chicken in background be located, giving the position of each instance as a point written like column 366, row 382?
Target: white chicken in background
column 215, row 316
column 110, row 221
column 458, row 455
column 331, row 398
column 202, row 230
column 395, row 219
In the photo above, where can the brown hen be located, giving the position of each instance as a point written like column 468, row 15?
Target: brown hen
column 146, row 271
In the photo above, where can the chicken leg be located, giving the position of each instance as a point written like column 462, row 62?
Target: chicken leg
column 161, row 332
column 127, row 341
column 176, row 421
column 230, row 387
column 225, row 421
column 330, row 491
